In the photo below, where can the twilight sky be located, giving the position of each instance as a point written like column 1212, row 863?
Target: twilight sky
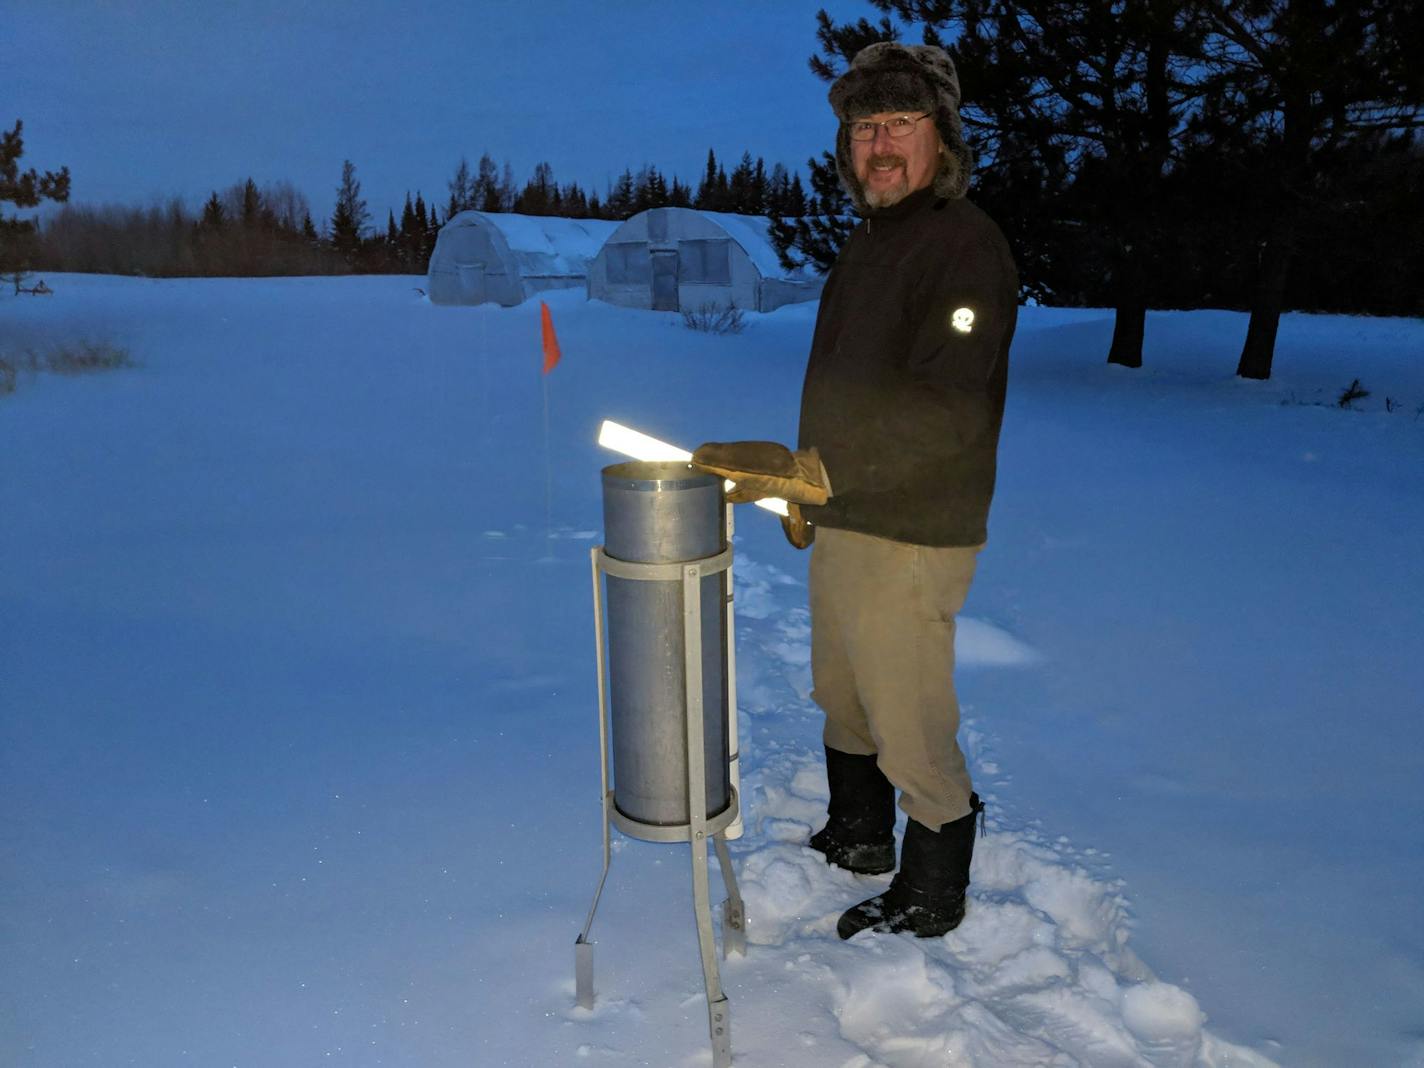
column 145, row 99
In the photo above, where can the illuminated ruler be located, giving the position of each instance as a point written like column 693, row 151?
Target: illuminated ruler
column 640, row 446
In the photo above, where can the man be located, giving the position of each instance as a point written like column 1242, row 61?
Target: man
column 900, row 417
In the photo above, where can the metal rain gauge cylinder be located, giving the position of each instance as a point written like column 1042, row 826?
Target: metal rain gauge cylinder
column 665, row 689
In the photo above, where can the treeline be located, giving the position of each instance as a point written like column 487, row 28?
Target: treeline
column 248, row 230
column 244, row 230
column 750, row 189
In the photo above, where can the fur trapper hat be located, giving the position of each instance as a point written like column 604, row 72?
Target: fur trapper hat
column 890, row 76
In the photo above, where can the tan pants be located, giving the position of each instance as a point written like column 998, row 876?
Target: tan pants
column 882, row 662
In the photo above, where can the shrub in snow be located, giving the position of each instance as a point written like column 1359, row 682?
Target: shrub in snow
column 75, row 358
column 84, row 357
column 1351, row 393
column 715, row 319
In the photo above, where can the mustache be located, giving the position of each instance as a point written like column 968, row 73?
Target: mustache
column 885, row 161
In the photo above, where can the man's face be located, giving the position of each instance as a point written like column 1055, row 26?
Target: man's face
column 891, row 168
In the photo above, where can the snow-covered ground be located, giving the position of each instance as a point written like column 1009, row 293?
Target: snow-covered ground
column 297, row 728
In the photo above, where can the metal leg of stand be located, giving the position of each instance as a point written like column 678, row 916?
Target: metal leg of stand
column 719, row 1017
column 734, row 915
column 583, row 948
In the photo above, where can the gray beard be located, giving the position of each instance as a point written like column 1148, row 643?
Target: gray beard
column 885, row 198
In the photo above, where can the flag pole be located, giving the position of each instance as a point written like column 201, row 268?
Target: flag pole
column 548, row 476
column 550, row 345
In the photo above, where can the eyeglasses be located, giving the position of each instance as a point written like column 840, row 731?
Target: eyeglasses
column 899, row 126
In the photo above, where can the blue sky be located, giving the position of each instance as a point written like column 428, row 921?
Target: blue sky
column 146, row 99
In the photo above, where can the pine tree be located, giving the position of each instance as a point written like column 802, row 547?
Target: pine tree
column 815, row 234
column 795, row 204
column 251, row 213
column 24, row 190
column 486, row 191
column 621, row 198
column 348, row 221
column 214, row 218
column 1076, row 109
column 575, row 202
column 538, row 195
column 649, row 190
column 778, row 186
column 707, row 194
column 1310, row 80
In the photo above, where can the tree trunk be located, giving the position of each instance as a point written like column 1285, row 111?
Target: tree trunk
column 1128, row 329
column 1260, row 347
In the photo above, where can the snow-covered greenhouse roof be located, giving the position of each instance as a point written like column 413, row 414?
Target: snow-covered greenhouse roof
column 753, row 233
column 544, row 245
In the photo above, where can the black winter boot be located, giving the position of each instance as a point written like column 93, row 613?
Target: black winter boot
column 926, row 897
column 860, row 834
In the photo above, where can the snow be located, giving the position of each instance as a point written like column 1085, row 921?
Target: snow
column 545, row 245
column 753, row 233
column 299, row 752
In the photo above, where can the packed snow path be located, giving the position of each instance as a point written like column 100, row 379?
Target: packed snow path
column 299, row 757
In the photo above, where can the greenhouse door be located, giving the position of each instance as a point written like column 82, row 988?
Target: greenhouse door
column 665, row 281
column 472, row 282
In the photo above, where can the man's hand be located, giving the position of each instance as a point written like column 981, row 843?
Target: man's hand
column 765, row 469
column 798, row 531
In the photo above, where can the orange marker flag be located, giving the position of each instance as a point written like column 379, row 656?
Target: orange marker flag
column 551, row 342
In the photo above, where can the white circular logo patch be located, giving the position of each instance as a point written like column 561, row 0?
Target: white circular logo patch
column 962, row 320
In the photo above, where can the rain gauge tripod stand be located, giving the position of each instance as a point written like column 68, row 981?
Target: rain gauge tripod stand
column 669, row 663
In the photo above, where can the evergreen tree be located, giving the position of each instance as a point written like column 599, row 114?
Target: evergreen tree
column 309, row 234
column 739, row 186
column 432, row 232
column 679, row 196
column 486, row 192
column 1310, row 79
column 24, row 189
column 778, row 186
column 349, row 219
column 214, row 218
column 649, row 190
column 621, row 198
column 708, row 196
column 537, row 197
column 1100, row 94
column 251, row 212
column 575, row 202
column 816, row 235
column 795, row 203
